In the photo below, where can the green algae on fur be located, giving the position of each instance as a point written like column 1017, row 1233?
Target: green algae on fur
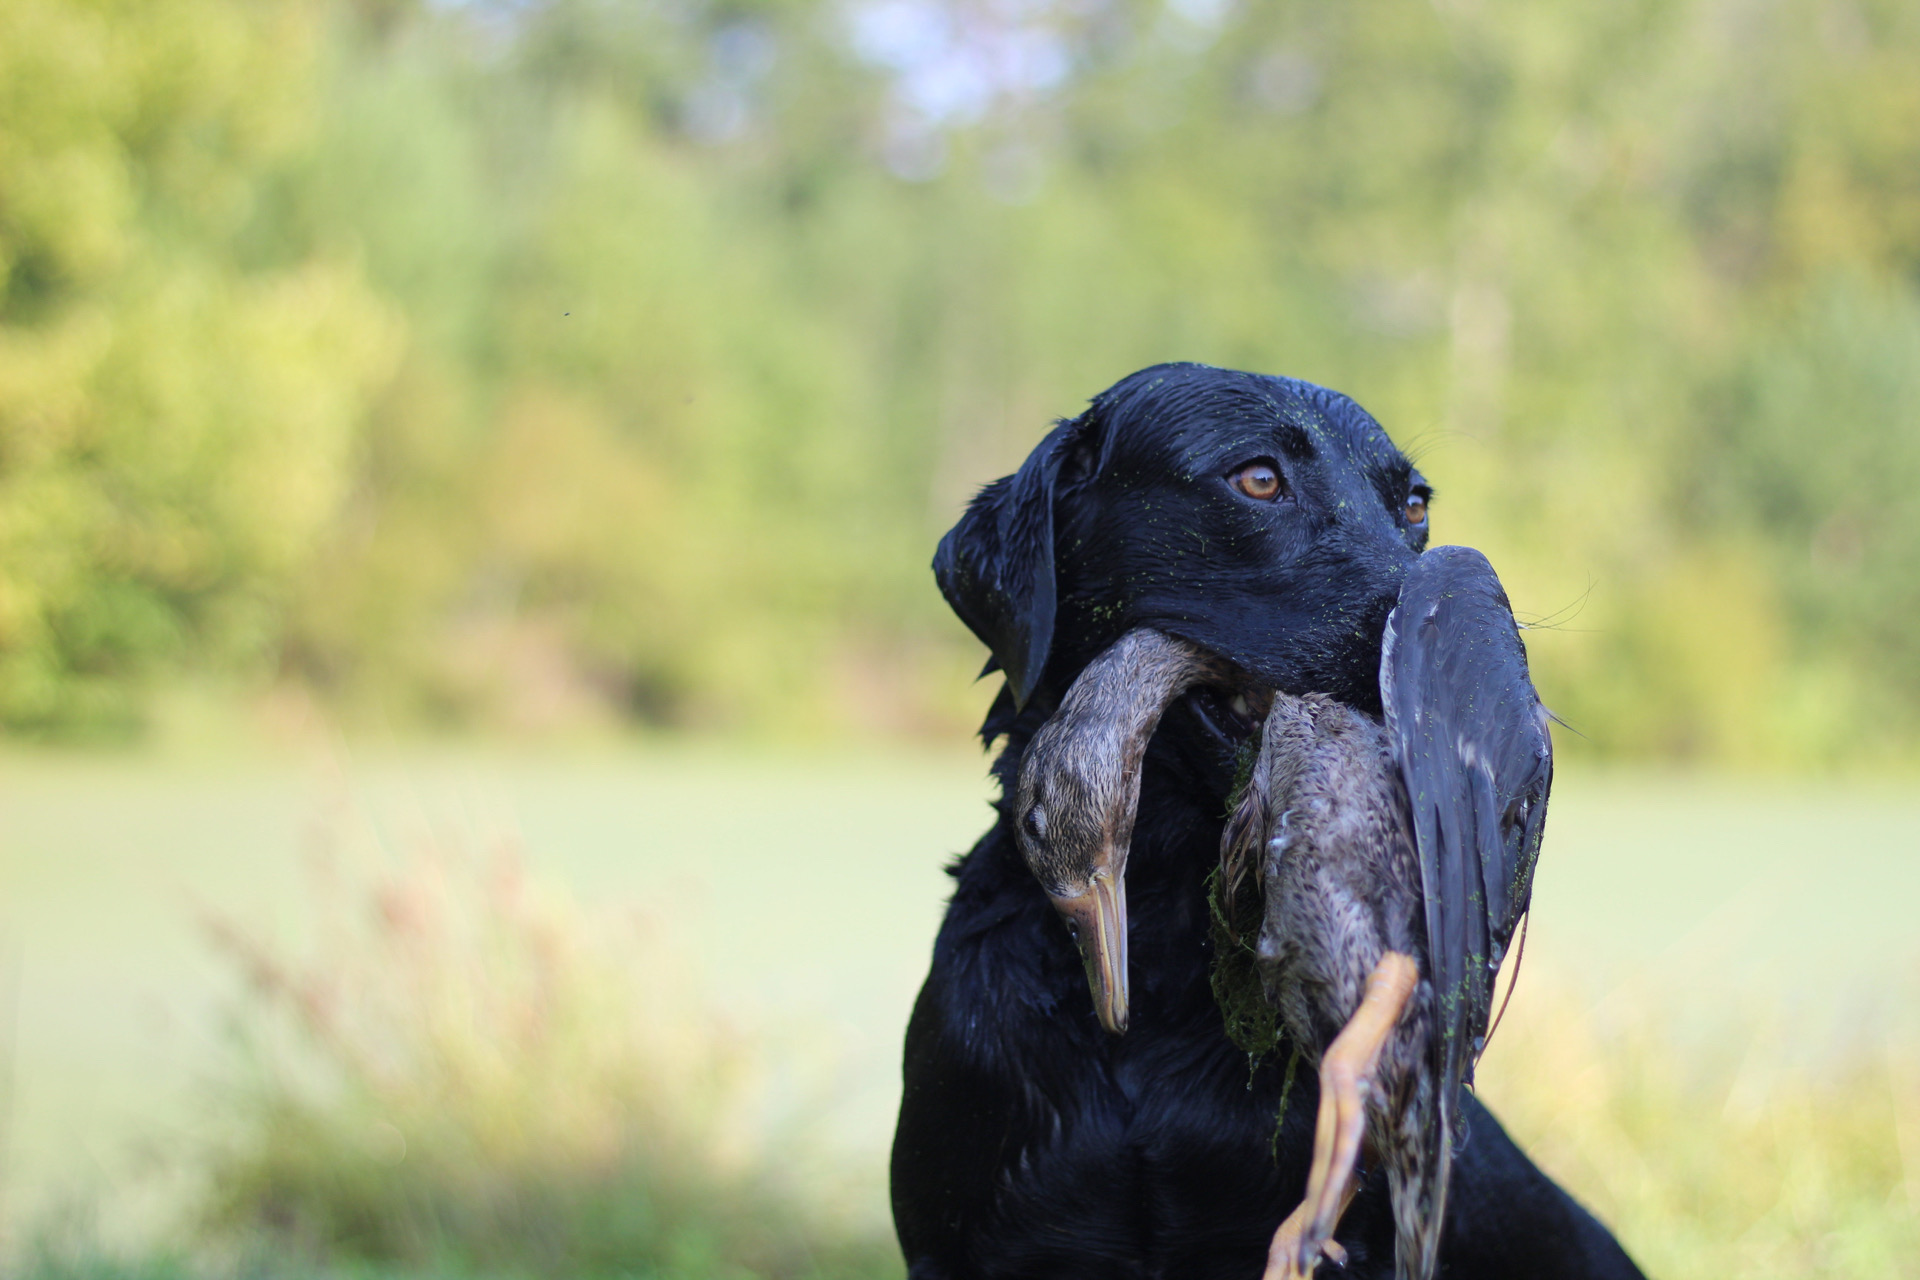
column 1252, row 1023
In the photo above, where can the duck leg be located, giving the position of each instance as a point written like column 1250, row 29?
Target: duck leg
column 1346, row 1073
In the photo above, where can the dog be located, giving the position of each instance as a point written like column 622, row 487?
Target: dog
column 1270, row 522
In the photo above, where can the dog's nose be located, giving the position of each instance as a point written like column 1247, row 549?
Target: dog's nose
column 1384, row 559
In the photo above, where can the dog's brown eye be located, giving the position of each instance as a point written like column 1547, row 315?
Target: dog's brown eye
column 1416, row 508
column 1257, row 480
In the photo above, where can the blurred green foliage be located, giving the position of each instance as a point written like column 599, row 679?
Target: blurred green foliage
column 522, row 363
column 465, row 1075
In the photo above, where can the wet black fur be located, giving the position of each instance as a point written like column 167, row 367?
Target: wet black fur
column 1031, row 1143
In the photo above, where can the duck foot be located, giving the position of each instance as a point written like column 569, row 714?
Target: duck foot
column 1346, row 1073
column 1287, row 1249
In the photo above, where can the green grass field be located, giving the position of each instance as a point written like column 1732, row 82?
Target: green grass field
column 1711, row 1041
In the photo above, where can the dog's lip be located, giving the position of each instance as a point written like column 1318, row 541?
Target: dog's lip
column 1231, row 714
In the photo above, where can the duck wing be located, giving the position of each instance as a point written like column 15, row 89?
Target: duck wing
column 1470, row 737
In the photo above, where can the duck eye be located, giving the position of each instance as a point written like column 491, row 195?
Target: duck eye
column 1416, row 508
column 1258, row 480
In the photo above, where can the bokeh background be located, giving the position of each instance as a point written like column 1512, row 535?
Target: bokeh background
column 478, row 739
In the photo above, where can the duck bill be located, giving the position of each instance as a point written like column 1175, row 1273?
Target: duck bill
column 1099, row 920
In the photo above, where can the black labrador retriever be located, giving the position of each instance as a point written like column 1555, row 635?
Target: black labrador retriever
column 1270, row 521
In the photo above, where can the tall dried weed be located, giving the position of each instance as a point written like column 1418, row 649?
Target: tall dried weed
column 1729, row 1141
column 463, row 1069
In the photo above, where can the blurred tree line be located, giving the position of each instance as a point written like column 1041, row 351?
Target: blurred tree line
column 519, row 361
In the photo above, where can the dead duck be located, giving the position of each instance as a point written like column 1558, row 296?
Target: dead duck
column 1394, row 860
column 1079, row 791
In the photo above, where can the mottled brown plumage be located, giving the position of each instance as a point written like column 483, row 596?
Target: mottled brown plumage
column 1324, row 819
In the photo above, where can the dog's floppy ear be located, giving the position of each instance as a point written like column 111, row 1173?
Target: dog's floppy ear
column 995, row 567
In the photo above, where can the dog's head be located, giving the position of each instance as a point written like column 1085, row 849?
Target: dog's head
column 1267, row 520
